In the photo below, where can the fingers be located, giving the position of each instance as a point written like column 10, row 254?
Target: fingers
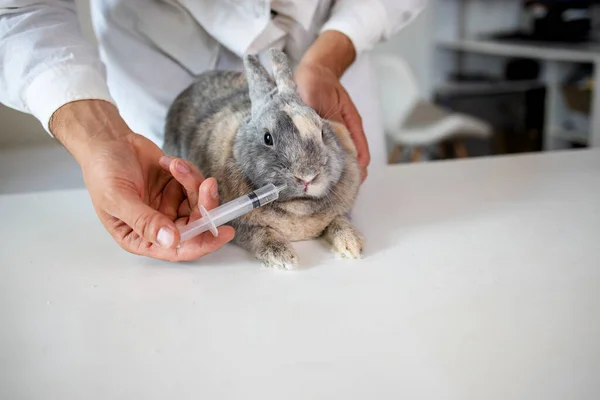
column 144, row 231
column 353, row 122
column 198, row 190
column 203, row 244
column 148, row 223
column 172, row 197
column 189, row 250
column 186, row 174
column 208, row 194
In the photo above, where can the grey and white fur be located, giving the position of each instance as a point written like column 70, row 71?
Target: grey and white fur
column 249, row 129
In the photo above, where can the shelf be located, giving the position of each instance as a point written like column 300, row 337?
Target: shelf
column 487, row 88
column 587, row 52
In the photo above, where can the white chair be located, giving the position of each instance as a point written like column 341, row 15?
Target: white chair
column 416, row 127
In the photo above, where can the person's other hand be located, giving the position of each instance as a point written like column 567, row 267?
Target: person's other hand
column 140, row 196
column 318, row 80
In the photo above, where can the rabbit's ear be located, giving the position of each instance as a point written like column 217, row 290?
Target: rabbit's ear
column 260, row 83
column 282, row 71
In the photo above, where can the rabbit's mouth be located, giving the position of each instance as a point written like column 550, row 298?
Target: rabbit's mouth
column 307, row 182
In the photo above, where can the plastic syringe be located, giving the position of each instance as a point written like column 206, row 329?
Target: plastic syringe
column 226, row 212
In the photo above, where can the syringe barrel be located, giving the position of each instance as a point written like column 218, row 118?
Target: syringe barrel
column 194, row 228
column 219, row 216
column 266, row 194
column 242, row 205
column 231, row 210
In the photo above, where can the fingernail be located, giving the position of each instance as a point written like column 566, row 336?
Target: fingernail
column 214, row 191
column 182, row 168
column 165, row 161
column 165, row 237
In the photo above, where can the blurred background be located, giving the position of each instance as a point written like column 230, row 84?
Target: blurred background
column 496, row 77
column 468, row 78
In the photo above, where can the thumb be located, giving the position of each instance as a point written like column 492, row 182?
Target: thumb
column 147, row 222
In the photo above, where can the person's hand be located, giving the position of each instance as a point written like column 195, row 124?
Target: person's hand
column 140, row 196
column 318, row 80
column 321, row 90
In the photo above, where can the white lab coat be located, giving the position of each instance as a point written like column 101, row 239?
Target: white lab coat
column 151, row 50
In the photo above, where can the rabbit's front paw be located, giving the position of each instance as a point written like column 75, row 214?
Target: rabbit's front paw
column 344, row 238
column 347, row 245
column 278, row 255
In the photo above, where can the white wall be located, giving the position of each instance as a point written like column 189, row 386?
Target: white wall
column 414, row 43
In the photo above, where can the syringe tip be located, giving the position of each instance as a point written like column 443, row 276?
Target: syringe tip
column 280, row 188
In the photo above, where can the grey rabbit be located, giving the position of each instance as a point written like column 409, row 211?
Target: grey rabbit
column 247, row 130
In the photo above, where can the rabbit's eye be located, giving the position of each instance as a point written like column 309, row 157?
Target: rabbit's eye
column 322, row 133
column 268, row 139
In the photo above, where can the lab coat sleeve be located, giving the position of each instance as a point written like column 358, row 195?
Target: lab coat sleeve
column 45, row 62
column 368, row 22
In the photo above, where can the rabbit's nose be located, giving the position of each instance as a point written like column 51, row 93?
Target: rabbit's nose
column 305, row 179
